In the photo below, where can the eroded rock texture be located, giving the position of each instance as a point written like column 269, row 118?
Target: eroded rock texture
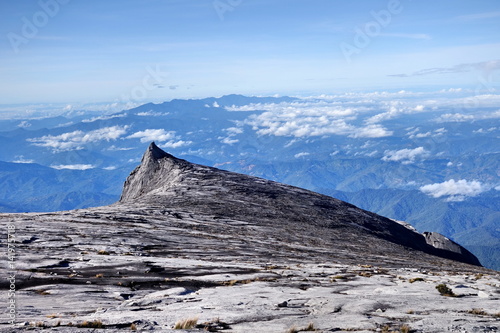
column 187, row 241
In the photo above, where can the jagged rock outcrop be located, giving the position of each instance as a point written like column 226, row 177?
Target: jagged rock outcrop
column 157, row 170
column 164, row 180
column 441, row 242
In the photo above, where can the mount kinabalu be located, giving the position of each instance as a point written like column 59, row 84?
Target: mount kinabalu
column 187, row 241
column 162, row 179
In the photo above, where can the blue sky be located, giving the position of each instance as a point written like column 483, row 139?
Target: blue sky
column 73, row 51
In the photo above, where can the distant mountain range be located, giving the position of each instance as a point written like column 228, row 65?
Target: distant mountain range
column 409, row 158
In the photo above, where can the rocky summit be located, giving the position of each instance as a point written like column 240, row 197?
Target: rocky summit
column 194, row 248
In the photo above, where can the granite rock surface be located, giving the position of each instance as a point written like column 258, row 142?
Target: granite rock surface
column 229, row 252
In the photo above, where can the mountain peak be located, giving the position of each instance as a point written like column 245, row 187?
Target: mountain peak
column 162, row 180
column 157, row 170
column 155, row 152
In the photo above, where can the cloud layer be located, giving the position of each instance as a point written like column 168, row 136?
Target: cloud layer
column 405, row 156
column 309, row 118
column 160, row 135
column 455, row 190
column 153, row 135
column 73, row 166
column 77, row 139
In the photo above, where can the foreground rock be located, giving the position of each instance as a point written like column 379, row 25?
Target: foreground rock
column 227, row 252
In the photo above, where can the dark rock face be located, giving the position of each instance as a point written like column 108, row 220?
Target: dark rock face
column 451, row 249
column 163, row 180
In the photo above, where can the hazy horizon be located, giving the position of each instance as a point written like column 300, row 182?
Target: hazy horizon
column 62, row 51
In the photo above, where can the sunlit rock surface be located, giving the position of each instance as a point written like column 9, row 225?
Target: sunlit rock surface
column 239, row 254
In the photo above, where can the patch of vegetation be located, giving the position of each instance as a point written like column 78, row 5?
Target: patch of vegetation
column 413, row 280
column 52, row 316
column 405, row 328
column 91, row 324
column 445, row 291
column 235, row 282
column 186, row 324
column 338, row 277
column 103, row 253
column 214, row 326
column 479, row 312
column 308, row 328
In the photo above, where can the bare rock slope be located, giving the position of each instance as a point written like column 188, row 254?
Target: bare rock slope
column 229, row 252
column 164, row 180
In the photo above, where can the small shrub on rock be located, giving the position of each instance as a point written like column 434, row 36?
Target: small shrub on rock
column 444, row 290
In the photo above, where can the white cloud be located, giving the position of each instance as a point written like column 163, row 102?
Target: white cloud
column 309, row 118
column 421, row 135
column 169, row 138
column 77, row 139
column 176, row 144
column 73, row 166
column 394, row 110
column 455, row 190
column 301, row 155
column 114, row 148
column 441, row 131
column 103, row 118
column 234, row 130
column 482, row 130
column 151, row 113
column 405, row 156
column 24, row 124
column 110, row 168
column 22, row 160
column 216, row 105
column 412, row 130
column 65, row 124
column 371, row 131
column 454, row 118
column 413, row 133
column 229, row 141
column 460, row 117
column 149, row 135
column 451, row 90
